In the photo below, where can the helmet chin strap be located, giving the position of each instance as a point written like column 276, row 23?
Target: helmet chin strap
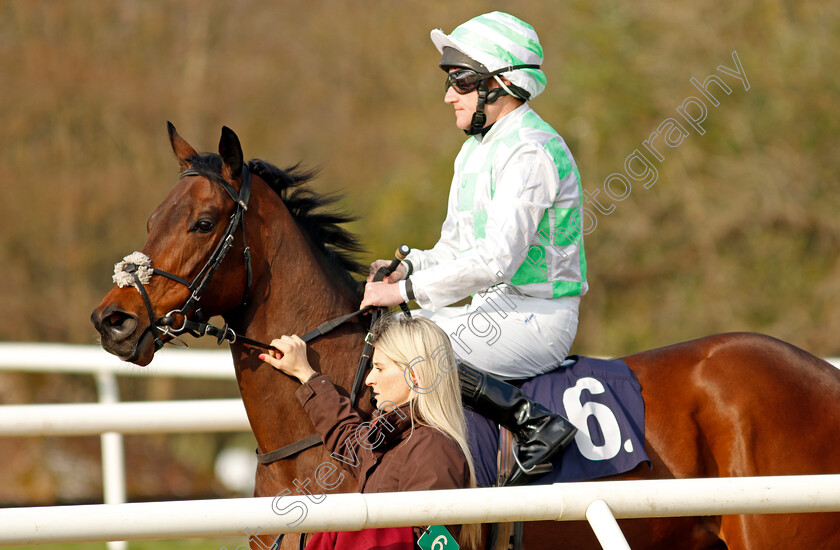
column 485, row 97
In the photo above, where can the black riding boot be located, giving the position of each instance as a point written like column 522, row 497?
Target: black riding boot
column 539, row 433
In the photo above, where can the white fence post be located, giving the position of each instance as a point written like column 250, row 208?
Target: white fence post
column 113, row 452
column 606, row 528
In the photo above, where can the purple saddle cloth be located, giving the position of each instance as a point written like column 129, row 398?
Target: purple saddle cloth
column 602, row 398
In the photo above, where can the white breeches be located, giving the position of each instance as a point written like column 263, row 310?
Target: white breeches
column 509, row 334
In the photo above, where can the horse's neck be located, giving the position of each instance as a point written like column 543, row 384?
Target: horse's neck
column 295, row 295
column 299, row 296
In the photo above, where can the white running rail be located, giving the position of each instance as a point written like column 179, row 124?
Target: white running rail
column 353, row 511
column 599, row 503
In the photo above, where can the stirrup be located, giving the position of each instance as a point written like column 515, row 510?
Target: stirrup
column 521, row 472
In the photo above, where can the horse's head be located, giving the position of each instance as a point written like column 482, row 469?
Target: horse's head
column 189, row 236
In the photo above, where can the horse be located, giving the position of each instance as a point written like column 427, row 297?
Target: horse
column 737, row 404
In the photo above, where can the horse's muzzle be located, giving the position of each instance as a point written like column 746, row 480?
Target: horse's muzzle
column 119, row 334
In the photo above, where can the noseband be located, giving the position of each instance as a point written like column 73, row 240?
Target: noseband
column 140, row 270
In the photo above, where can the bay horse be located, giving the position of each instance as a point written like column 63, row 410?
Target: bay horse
column 726, row 405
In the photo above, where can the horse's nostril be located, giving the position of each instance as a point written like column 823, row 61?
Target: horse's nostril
column 120, row 324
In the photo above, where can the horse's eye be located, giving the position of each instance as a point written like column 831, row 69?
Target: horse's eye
column 204, row 226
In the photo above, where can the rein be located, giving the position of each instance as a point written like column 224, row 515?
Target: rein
column 364, row 363
column 364, row 360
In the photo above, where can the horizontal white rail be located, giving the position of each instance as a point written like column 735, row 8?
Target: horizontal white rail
column 147, row 417
column 568, row 501
column 68, row 358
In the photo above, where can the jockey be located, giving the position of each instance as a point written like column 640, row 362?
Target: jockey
column 511, row 239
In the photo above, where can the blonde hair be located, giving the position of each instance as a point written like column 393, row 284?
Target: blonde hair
column 425, row 354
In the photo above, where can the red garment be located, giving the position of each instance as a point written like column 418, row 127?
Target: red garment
column 386, row 538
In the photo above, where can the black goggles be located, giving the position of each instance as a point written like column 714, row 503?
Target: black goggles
column 466, row 80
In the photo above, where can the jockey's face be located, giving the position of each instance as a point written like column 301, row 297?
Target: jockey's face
column 465, row 104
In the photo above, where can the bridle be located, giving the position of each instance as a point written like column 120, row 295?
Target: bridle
column 198, row 328
column 163, row 326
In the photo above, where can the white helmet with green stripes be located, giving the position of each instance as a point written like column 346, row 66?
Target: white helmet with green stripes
column 498, row 40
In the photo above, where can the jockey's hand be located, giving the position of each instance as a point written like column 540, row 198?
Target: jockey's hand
column 395, row 276
column 291, row 357
column 381, row 294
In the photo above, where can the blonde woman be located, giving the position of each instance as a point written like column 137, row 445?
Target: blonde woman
column 418, row 441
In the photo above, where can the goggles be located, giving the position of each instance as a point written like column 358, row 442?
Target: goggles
column 464, row 80
column 467, row 80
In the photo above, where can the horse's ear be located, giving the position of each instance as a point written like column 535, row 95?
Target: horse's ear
column 231, row 152
column 181, row 148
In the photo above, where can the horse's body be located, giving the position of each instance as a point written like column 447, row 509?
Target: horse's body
column 726, row 405
column 731, row 405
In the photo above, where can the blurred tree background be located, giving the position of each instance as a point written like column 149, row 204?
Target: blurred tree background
column 739, row 232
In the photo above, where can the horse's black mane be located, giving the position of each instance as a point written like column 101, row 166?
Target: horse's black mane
column 323, row 227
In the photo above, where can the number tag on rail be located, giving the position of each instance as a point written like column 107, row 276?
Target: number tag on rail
column 437, row 537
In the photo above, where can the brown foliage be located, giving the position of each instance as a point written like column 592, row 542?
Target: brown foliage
column 739, row 232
